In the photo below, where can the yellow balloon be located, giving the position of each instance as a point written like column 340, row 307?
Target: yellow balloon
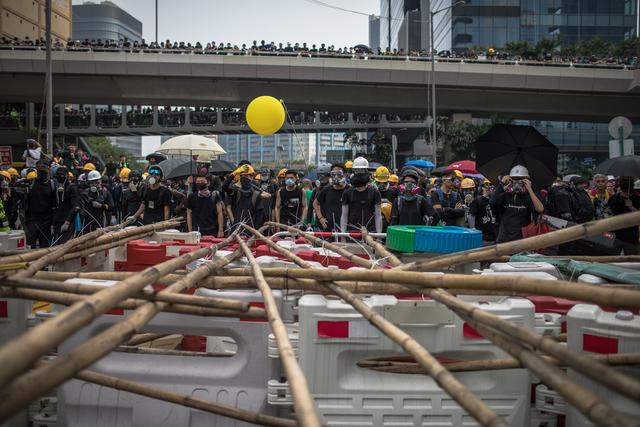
column 265, row 115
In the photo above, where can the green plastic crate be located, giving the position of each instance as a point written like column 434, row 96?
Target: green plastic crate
column 402, row 238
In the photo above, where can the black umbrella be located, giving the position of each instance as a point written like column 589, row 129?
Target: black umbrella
column 620, row 166
column 178, row 167
column 159, row 157
column 441, row 171
column 363, row 48
column 505, row 146
column 221, row 166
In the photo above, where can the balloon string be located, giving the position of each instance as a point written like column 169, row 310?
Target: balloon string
column 304, row 159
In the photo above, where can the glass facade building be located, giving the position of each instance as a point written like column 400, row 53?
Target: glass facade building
column 104, row 21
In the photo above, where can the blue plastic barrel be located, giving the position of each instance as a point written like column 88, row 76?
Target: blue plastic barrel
column 444, row 240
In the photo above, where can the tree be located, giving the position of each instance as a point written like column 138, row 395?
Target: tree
column 517, row 48
column 628, row 47
column 103, row 148
column 382, row 149
column 595, row 46
column 546, row 45
column 352, row 138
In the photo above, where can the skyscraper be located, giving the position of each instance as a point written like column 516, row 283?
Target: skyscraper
column 104, row 21
column 26, row 19
column 374, row 32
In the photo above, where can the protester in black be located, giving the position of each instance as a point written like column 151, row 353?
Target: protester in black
column 155, row 199
column 97, row 202
column 40, row 203
column 410, row 208
column 291, row 201
column 324, row 175
column 361, row 203
column 68, row 205
column 481, row 216
column 328, row 203
column 514, row 203
column 583, row 207
column 624, row 201
column 243, row 201
column 205, row 211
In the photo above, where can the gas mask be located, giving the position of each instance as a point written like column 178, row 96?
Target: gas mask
column 337, row 178
column 133, row 185
column 245, row 182
column 324, row 179
column 289, row 182
column 516, row 186
column 468, row 196
column 383, row 186
column 152, row 180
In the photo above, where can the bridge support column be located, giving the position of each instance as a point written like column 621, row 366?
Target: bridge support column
column 92, row 116
column 156, row 124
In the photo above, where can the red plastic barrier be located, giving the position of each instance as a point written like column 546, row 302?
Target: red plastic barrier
column 141, row 252
column 194, row 343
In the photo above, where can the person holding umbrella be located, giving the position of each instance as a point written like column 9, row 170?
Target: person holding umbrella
column 514, row 203
column 624, row 201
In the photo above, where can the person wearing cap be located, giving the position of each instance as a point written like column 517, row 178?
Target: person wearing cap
column 328, row 203
column 624, row 201
column 68, row 204
column 155, row 199
column 514, row 203
column 410, row 207
column 361, row 204
column 481, row 216
column 447, row 201
column 243, row 201
column 39, row 206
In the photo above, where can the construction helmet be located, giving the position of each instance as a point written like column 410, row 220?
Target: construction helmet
column 381, row 174
column 385, row 209
column 412, row 173
column 244, row 170
column 124, row 174
column 467, row 183
column 6, row 175
column 324, row 168
column 486, row 182
column 13, row 172
column 458, row 174
column 94, row 176
column 89, row 167
column 258, row 177
column 282, row 172
column 360, row 163
column 393, row 178
column 32, row 175
column 519, row 171
column 348, row 164
column 145, row 175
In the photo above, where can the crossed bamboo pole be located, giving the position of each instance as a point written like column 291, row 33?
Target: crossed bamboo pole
column 303, row 402
column 46, row 377
column 461, row 394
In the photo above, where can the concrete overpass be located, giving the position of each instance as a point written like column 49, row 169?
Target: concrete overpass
column 332, row 84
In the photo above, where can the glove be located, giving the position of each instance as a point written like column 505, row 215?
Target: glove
column 324, row 222
column 65, row 227
column 96, row 204
column 131, row 218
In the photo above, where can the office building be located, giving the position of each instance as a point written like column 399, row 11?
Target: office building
column 374, row 33
column 391, row 17
column 26, row 19
column 104, row 21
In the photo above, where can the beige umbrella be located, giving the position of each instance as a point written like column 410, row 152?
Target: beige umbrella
column 192, row 145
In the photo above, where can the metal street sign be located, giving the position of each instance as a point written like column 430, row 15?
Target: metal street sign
column 6, row 158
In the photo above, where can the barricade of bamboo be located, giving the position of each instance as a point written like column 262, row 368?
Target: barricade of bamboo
column 465, row 398
column 303, row 403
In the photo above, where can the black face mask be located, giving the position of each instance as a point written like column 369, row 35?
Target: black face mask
column 43, row 175
column 360, row 180
column 245, row 182
column 201, row 185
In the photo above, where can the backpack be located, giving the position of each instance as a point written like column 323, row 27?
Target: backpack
column 254, row 197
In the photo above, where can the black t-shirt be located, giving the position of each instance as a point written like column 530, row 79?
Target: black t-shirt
column 41, row 200
column 130, row 202
column 111, row 168
column 291, row 206
column 514, row 212
column 391, row 194
column 618, row 207
column 204, row 215
column 247, row 207
column 361, row 207
column 485, row 218
column 154, row 203
column 330, row 200
column 412, row 211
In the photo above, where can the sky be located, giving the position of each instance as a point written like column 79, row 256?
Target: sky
column 242, row 21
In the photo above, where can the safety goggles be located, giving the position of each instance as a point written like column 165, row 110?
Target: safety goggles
column 155, row 172
column 337, row 174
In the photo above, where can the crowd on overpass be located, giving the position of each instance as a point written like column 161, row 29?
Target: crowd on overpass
column 53, row 199
column 489, row 55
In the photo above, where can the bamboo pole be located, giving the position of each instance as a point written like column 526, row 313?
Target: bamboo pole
column 587, row 402
column 148, row 295
column 20, row 353
column 303, row 402
column 168, row 352
column 553, row 238
column 139, row 339
column 46, row 377
column 460, row 393
column 401, row 366
column 105, row 246
column 380, row 249
column 69, row 299
column 611, row 297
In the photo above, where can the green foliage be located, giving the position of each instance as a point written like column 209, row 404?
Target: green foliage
column 382, row 149
column 595, row 46
column 460, row 136
column 629, row 47
column 546, row 45
column 103, row 148
column 517, row 48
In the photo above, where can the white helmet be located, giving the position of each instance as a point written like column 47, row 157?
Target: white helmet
column 636, row 185
column 360, row 163
column 519, row 171
column 94, row 176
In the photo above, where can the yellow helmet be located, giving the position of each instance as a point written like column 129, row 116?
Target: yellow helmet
column 145, row 175
column 491, row 50
column 13, row 172
column 32, row 175
column 124, row 174
column 393, row 178
column 244, row 170
column 458, row 174
column 467, row 183
column 381, row 174
column 282, row 172
column 258, row 177
column 486, row 181
column 433, row 181
column 385, row 209
column 89, row 167
column 348, row 164
column 6, row 175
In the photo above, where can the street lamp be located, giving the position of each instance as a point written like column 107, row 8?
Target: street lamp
column 433, row 75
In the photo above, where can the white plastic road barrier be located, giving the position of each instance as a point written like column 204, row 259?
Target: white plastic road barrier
column 548, row 323
column 293, row 246
column 590, row 279
column 240, row 380
column 97, row 261
column 334, row 338
column 12, row 240
column 177, row 236
column 517, row 267
column 541, row 419
column 540, row 275
column 593, row 330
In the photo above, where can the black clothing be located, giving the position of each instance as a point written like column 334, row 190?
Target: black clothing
column 154, row 203
column 111, row 168
column 204, row 214
column 96, row 217
column 361, row 207
column 330, row 200
column 129, row 202
column 449, row 214
column 485, row 219
column 559, row 202
column 514, row 211
column 583, row 209
column 413, row 210
column 627, row 235
column 68, row 203
column 291, row 206
column 38, row 232
column 247, row 207
column 391, row 194
column 41, row 201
